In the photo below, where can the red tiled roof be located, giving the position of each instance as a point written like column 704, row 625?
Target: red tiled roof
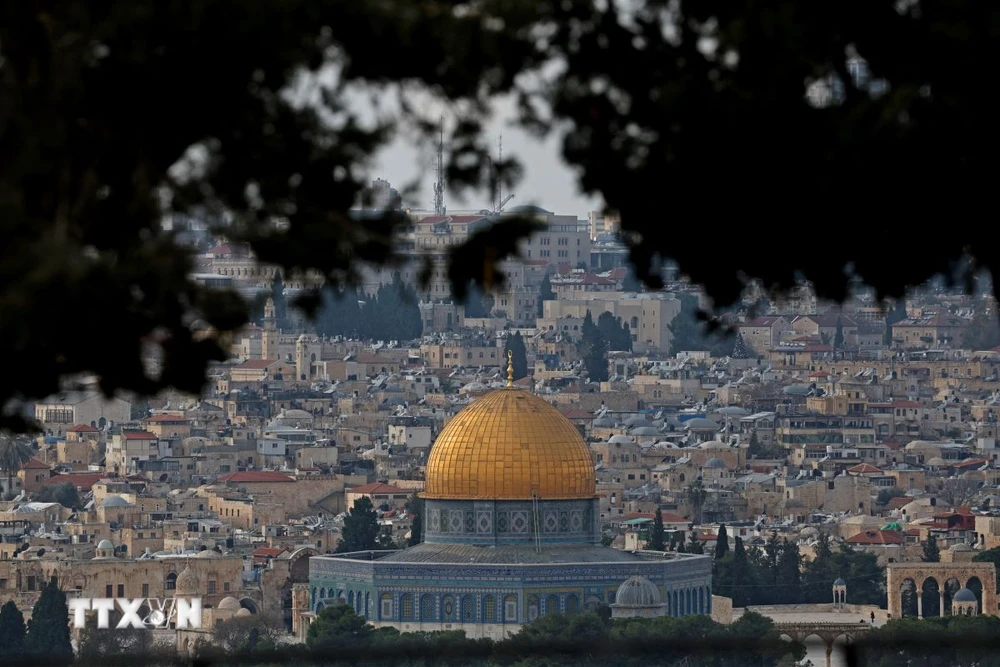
column 35, row 464
column 863, row 468
column 83, row 428
column 376, row 487
column 898, row 503
column 268, row 552
column 819, row 374
column 255, row 476
column 81, row 480
column 876, row 537
column 905, row 404
column 137, row 435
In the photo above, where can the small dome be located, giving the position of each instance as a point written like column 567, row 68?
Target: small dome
column 603, row 422
column 938, row 462
column 839, row 582
column 714, row 462
column 964, row 595
column 243, row 613
column 187, row 582
column 619, row 439
column 207, row 553
column 960, row 546
column 645, row 431
column 638, row 592
column 635, row 422
column 105, row 544
column 115, row 501
column 230, row 604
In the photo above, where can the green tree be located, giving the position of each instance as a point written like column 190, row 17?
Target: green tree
column 48, row 630
column 615, row 332
column 989, row 556
column 740, row 349
column 931, row 553
column 885, row 495
column 694, row 545
column 361, row 529
column 722, row 542
column 14, row 456
column 515, row 344
column 838, row 335
column 593, row 350
column 65, row 494
column 338, row 626
column 12, row 632
column 657, row 536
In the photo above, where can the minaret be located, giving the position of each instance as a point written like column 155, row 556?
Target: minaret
column 510, row 369
column 269, row 338
column 439, row 208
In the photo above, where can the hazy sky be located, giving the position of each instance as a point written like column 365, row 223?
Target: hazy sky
column 548, row 181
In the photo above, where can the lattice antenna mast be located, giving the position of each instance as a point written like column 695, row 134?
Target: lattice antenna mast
column 439, row 185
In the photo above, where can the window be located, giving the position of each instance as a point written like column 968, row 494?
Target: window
column 386, row 606
column 145, row 590
column 510, row 608
column 489, row 609
column 225, row 587
column 211, row 587
column 109, row 591
column 171, row 582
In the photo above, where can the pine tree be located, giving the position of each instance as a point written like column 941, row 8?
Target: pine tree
column 932, row 553
column 694, row 545
column 12, row 632
column 657, row 537
column 515, row 344
column 48, row 630
column 361, row 529
column 722, row 542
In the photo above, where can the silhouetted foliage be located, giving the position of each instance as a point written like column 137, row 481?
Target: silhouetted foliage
column 87, row 179
column 615, row 332
column 657, row 541
column 48, row 629
column 12, row 632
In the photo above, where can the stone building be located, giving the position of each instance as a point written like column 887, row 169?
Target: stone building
column 511, row 532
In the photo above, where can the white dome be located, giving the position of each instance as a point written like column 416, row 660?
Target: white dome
column 105, row 544
column 638, row 592
column 115, row 501
column 243, row 613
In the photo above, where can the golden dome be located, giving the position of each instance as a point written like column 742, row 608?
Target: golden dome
column 508, row 445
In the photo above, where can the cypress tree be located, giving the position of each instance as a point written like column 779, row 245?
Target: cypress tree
column 12, row 632
column 722, row 542
column 361, row 529
column 657, row 541
column 48, row 630
column 515, row 344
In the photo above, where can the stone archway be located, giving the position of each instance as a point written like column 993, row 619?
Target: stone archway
column 983, row 573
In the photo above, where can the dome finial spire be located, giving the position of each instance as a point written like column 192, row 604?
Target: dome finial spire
column 510, row 368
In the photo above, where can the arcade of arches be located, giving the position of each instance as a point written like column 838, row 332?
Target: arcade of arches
column 926, row 589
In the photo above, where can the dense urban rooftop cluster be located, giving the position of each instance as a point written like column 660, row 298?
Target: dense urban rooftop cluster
column 855, row 424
